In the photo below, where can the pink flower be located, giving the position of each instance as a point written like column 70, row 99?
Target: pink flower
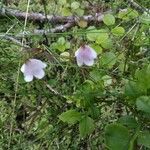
column 33, row 68
column 85, row 55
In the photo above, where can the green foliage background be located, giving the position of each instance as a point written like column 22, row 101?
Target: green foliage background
column 106, row 106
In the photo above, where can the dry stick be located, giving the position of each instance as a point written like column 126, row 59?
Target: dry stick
column 69, row 21
column 62, row 28
column 136, row 6
column 39, row 17
column 12, row 39
column 35, row 17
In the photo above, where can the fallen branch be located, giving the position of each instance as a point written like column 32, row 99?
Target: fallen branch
column 66, row 22
column 136, row 6
column 62, row 28
column 39, row 17
column 35, row 17
column 12, row 39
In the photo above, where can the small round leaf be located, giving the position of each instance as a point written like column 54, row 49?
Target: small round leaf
column 109, row 19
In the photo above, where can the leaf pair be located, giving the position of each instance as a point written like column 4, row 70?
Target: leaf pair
column 86, row 124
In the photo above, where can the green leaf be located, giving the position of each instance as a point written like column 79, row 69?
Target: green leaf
column 128, row 121
column 118, row 31
column 79, row 12
column 96, row 75
column 132, row 13
column 144, row 139
column 86, row 126
column 143, row 77
column 132, row 89
column 62, row 2
column 102, row 36
column 61, row 48
column 92, row 33
column 117, row 137
column 127, row 14
column 97, row 48
column 109, row 19
column 94, row 111
column 70, row 116
column 143, row 103
column 61, row 40
column 107, row 44
column 123, row 14
column 75, row 5
column 67, row 45
column 66, row 12
column 108, row 59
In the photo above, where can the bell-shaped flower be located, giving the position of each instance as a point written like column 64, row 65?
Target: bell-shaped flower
column 85, row 55
column 33, row 68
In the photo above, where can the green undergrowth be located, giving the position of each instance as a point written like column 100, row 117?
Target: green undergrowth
column 105, row 106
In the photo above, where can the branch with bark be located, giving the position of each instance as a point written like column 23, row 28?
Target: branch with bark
column 35, row 17
column 41, row 18
column 136, row 6
column 63, row 22
column 14, row 40
column 62, row 28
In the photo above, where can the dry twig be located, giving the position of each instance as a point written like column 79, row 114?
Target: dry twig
column 136, row 6
column 14, row 40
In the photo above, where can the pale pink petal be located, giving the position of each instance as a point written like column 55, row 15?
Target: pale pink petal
column 28, row 78
column 79, row 61
column 90, row 52
column 93, row 53
column 33, row 67
column 85, row 55
column 37, row 63
column 77, row 52
column 89, row 62
column 27, row 69
column 23, row 68
column 39, row 74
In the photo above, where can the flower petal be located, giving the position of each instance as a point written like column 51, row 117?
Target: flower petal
column 28, row 78
column 23, row 68
column 37, row 63
column 77, row 52
column 33, row 67
column 85, row 55
column 93, row 53
column 39, row 74
column 89, row 62
column 79, row 61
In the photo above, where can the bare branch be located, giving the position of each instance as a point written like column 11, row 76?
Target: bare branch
column 12, row 39
column 35, row 17
column 62, row 28
column 39, row 17
column 136, row 6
